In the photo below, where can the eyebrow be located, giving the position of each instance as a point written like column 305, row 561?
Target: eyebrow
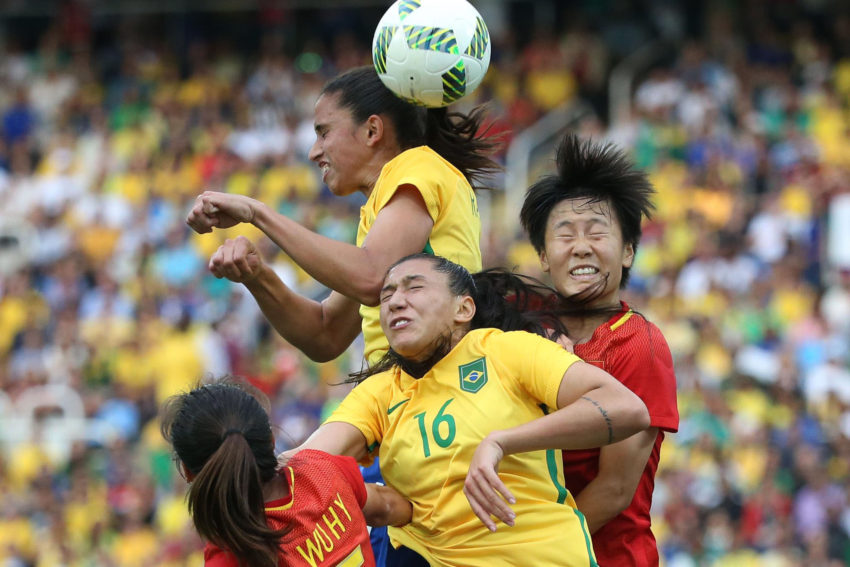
column 406, row 280
column 566, row 222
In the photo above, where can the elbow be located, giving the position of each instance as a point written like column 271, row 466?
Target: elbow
column 386, row 509
column 324, row 351
column 635, row 418
column 640, row 416
column 367, row 291
column 621, row 498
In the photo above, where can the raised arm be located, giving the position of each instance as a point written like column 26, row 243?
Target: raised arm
column 321, row 330
column 594, row 410
column 402, row 227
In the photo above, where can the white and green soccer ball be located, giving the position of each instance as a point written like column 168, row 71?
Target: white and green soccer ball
column 431, row 52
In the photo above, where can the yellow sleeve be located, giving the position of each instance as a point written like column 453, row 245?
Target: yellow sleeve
column 365, row 408
column 417, row 169
column 536, row 364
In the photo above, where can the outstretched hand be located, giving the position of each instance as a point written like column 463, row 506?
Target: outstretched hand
column 237, row 260
column 220, row 210
column 486, row 492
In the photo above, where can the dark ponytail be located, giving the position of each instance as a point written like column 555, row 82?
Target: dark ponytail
column 457, row 137
column 222, row 435
column 516, row 302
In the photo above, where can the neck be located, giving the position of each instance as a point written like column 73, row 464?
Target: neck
column 581, row 324
column 374, row 168
column 443, row 345
column 276, row 488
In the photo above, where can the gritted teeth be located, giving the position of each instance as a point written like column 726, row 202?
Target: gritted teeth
column 398, row 322
column 584, row 271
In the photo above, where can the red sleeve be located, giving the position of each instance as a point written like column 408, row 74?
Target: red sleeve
column 351, row 472
column 644, row 364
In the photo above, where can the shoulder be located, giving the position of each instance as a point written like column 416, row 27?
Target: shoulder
column 634, row 327
column 214, row 556
column 518, row 345
column 312, row 459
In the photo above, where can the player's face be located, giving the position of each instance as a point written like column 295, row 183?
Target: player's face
column 338, row 150
column 584, row 251
column 417, row 308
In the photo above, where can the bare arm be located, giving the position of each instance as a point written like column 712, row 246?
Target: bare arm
column 594, row 410
column 620, row 468
column 336, row 438
column 402, row 227
column 322, row 331
column 386, row 507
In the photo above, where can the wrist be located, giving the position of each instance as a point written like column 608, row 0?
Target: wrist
column 261, row 279
column 498, row 438
column 260, row 213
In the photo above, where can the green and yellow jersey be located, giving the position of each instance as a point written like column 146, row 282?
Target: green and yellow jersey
column 452, row 205
column 426, row 431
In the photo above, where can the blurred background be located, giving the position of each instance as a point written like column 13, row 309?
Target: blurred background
column 115, row 114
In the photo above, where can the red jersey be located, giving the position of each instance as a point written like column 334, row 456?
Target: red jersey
column 634, row 351
column 323, row 513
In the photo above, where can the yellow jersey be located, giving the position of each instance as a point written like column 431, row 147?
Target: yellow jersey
column 425, row 432
column 452, row 205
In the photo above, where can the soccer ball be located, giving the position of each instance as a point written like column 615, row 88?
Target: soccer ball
column 431, row 52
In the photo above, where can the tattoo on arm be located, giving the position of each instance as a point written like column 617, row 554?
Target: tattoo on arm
column 604, row 416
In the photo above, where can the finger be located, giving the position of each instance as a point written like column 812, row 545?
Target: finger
column 230, row 266
column 241, row 253
column 496, row 484
column 495, row 505
column 208, row 207
column 198, row 221
column 482, row 484
column 215, row 263
column 472, row 495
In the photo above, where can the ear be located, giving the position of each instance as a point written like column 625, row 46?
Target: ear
column 186, row 473
column 544, row 262
column 465, row 309
column 628, row 255
column 374, row 129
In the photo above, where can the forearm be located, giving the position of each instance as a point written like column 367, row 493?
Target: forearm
column 600, row 417
column 343, row 267
column 386, row 507
column 301, row 321
column 600, row 503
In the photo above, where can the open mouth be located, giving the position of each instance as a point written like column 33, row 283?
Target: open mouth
column 584, row 271
column 399, row 323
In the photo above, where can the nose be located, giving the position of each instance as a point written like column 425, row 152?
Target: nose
column 315, row 151
column 396, row 301
column 581, row 246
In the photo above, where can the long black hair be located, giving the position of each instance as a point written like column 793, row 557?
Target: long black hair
column 599, row 173
column 457, row 137
column 221, row 434
column 503, row 300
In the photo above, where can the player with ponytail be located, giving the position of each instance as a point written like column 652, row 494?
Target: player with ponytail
column 249, row 512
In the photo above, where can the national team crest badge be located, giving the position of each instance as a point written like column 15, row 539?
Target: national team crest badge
column 473, row 375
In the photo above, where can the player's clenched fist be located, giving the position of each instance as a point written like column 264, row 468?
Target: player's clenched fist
column 237, row 260
column 220, row 210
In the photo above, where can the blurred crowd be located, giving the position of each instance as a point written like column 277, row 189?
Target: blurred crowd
column 107, row 308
